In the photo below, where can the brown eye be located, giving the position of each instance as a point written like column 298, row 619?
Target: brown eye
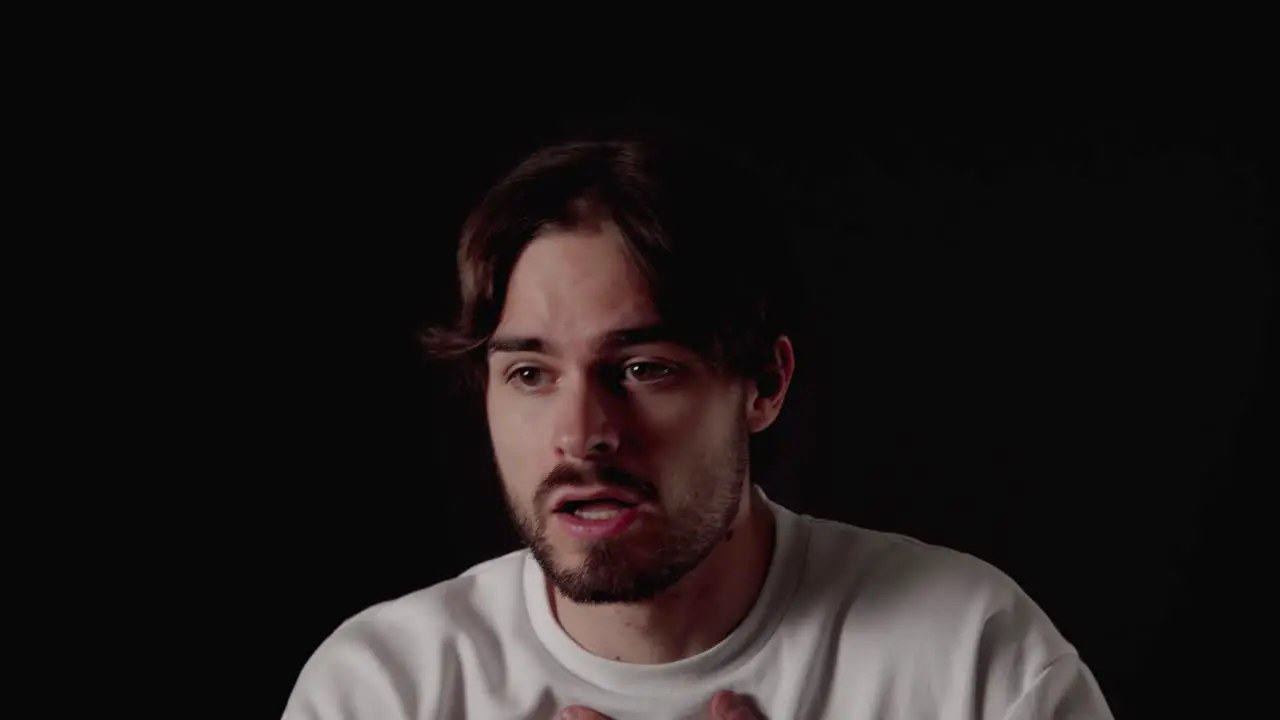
column 528, row 376
column 646, row 372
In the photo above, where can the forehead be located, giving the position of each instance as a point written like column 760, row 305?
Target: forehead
column 576, row 284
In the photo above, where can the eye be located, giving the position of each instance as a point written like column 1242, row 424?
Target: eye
column 646, row 372
column 528, row 377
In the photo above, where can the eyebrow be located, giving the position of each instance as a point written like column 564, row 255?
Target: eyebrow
column 637, row 336
column 515, row 345
column 612, row 340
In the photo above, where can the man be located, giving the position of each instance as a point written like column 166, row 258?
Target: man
column 620, row 307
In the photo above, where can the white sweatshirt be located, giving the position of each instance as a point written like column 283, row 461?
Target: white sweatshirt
column 850, row 623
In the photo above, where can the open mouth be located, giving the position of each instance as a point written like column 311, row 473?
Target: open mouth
column 595, row 508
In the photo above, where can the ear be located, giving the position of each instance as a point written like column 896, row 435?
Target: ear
column 766, row 393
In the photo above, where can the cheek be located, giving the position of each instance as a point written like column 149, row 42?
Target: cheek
column 517, row 438
column 680, row 423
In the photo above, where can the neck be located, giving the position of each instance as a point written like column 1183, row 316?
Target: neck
column 694, row 614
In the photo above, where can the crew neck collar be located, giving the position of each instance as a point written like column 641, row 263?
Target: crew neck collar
column 770, row 605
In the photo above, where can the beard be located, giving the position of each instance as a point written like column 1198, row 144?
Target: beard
column 644, row 562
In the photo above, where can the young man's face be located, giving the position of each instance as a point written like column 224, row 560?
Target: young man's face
column 623, row 455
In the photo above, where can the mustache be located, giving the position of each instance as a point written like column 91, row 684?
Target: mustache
column 564, row 475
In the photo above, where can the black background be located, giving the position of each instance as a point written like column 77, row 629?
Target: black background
column 1038, row 334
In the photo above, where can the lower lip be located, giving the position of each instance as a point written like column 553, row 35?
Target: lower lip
column 598, row 529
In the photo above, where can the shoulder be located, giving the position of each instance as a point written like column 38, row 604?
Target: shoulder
column 888, row 575
column 945, row 620
column 394, row 657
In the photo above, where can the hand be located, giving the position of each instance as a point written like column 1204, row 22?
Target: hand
column 724, row 706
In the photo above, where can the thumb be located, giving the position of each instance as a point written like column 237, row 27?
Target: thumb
column 577, row 712
column 729, row 706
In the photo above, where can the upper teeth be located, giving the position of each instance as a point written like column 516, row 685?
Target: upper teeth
column 596, row 513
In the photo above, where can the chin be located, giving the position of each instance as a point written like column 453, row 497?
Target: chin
column 614, row 571
column 569, row 556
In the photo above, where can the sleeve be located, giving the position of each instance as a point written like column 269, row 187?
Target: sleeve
column 337, row 684
column 376, row 667
column 1064, row 690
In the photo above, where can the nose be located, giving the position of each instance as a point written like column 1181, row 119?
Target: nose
column 585, row 429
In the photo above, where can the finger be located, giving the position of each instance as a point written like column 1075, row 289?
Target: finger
column 729, row 706
column 577, row 712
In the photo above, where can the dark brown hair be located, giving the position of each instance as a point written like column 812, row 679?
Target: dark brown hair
column 694, row 220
